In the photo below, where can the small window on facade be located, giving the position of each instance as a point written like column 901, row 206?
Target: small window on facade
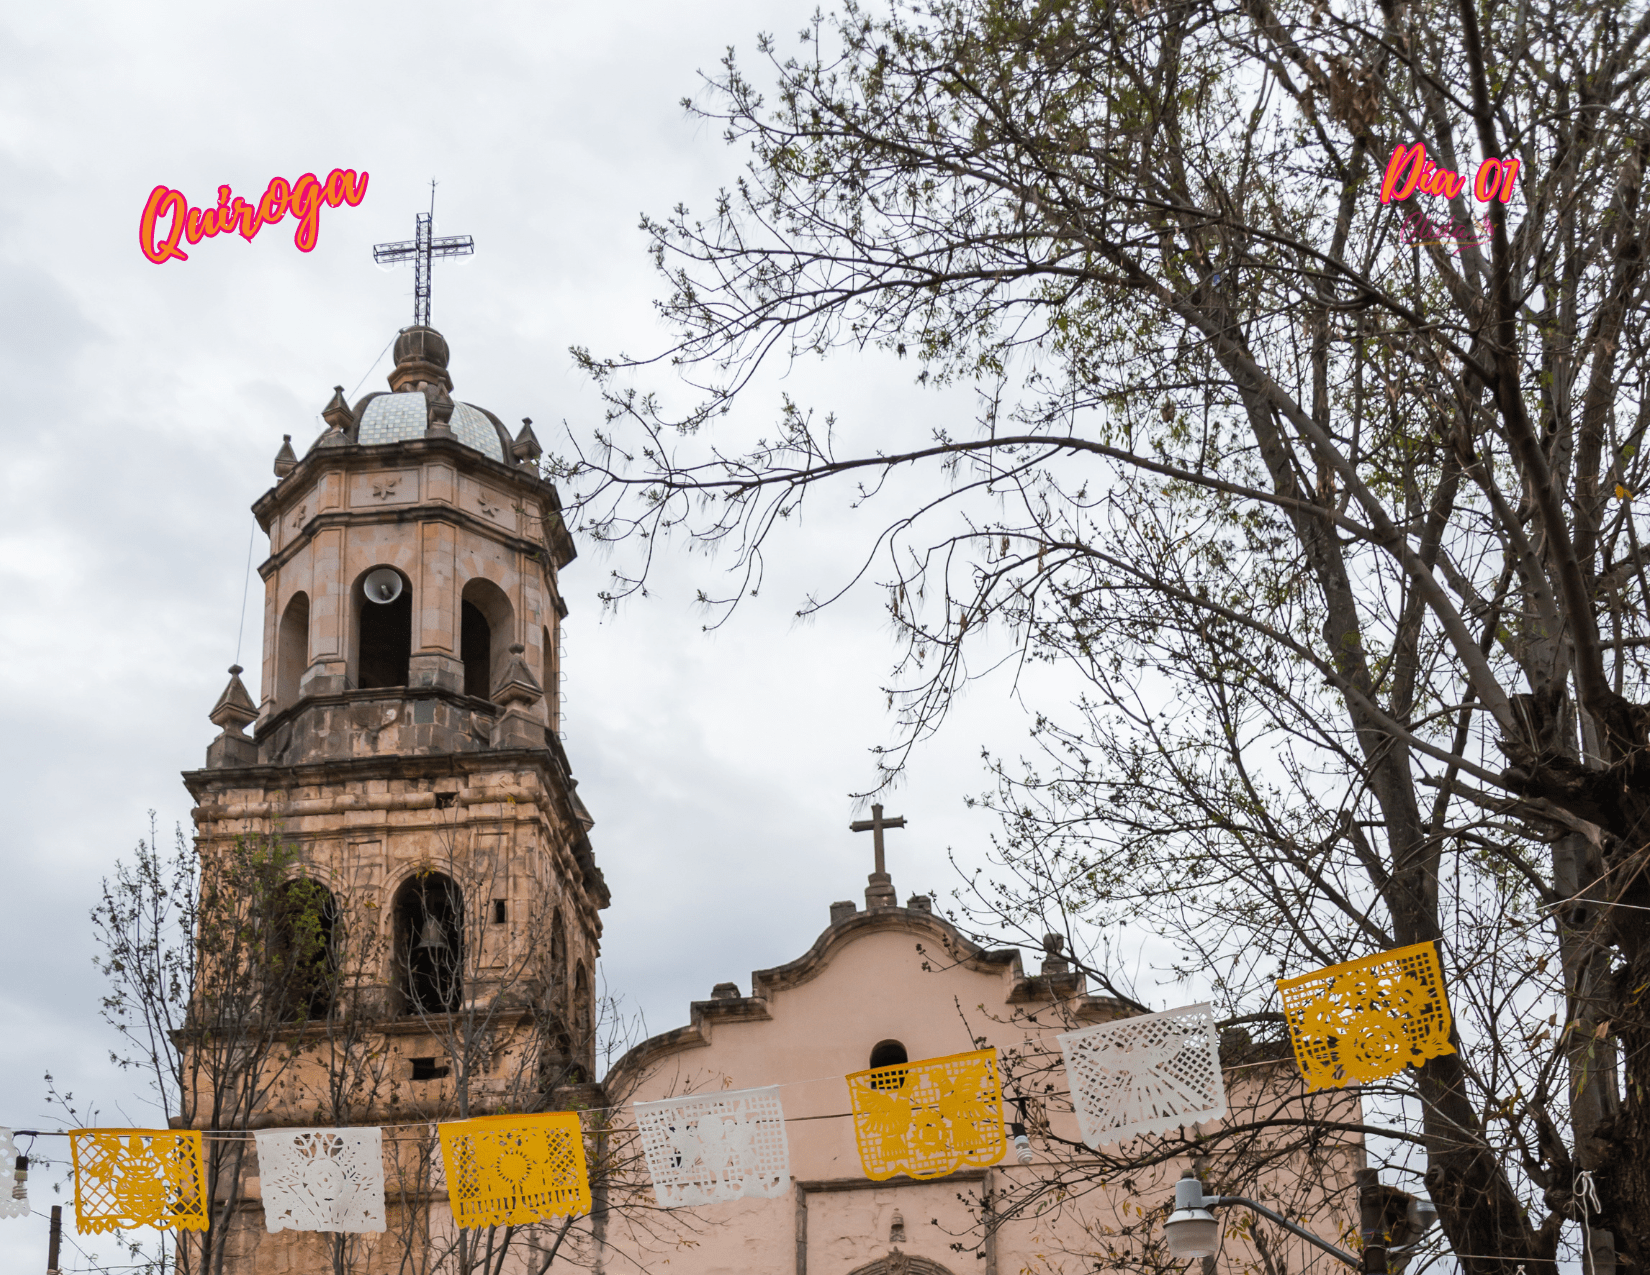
column 499, row 912
column 888, row 1053
column 425, row 1069
column 444, row 800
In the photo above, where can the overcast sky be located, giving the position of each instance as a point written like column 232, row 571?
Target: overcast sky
column 144, row 405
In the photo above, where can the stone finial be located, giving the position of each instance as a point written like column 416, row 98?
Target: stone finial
column 440, row 405
column 518, row 685
column 920, row 903
column 526, row 448
column 337, row 413
column 1053, row 962
column 335, row 436
column 880, row 893
column 286, row 460
column 421, row 355
column 234, row 710
column 725, row 992
column 842, row 911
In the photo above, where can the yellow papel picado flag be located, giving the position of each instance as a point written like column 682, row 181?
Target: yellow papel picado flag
column 926, row 1119
column 513, row 1170
column 125, row 1178
column 1367, row 1019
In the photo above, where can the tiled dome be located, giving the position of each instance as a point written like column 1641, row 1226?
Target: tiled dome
column 394, row 418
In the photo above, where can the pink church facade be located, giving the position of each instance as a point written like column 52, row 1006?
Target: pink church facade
column 890, row 975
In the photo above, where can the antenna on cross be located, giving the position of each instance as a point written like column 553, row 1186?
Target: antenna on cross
column 422, row 250
column 880, row 892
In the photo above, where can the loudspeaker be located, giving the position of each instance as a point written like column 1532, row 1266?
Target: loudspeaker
column 382, row 585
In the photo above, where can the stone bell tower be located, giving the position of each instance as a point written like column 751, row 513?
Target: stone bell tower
column 404, row 745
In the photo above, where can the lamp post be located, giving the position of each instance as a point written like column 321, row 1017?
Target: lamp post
column 1192, row 1230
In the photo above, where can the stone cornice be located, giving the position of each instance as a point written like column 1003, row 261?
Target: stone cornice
column 379, row 766
column 397, row 694
column 334, row 772
column 908, row 920
column 353, row 457
column 1003, row 962
column 424, row 511
column 704, row 1015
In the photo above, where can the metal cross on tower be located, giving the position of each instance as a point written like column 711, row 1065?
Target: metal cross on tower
column 422, row 251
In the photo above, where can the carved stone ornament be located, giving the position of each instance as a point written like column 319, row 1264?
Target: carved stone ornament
column 716, row 1146
column 1368, row 1019
column 234, row 710
column 337, row 413
column 322, row 1179
column 927, row 1119
column 440, row 409
column 1145, row 1075
column 526, row 448
column 384, row 488
column 517, row 685
column 286, row 460
column 14, row 1199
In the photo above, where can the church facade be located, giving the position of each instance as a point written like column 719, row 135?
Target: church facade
column 888, row 984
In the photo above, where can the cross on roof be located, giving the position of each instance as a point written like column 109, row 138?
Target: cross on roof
column 874, row 825
column 422, row 251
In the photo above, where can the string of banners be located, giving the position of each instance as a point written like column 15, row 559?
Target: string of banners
column 1360, row 1021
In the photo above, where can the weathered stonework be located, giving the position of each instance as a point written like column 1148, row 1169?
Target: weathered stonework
column 394, row 743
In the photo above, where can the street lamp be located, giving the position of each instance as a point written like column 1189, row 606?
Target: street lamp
column 1192, row 1230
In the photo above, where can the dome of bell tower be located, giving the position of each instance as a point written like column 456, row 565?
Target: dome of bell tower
column 419, row 406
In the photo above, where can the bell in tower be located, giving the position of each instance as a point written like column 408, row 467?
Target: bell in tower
column 402, row 758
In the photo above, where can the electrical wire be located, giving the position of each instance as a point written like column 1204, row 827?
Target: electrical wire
column 375, row 364
column 246, row 589
column 234, row 1134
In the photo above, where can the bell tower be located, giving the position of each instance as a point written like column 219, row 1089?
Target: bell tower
column 403, row 758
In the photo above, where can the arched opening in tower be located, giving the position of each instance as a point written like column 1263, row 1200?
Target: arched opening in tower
column 292, row 650
column 558, row 961
column 487, row 622
column 385, row 649
column 584, row 1015
column 475, row 642
column 429, row 931
column 558, row 1034
column 302, row 974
